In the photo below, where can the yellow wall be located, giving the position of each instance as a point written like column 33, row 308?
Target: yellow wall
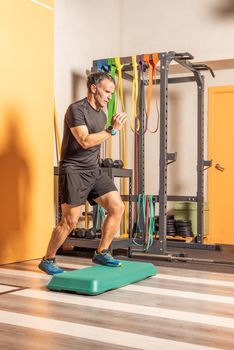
column 26, row 128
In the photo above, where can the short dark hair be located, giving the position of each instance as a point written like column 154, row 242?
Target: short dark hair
column 96, row 78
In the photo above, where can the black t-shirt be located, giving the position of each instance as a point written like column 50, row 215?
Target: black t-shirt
column 74, row 158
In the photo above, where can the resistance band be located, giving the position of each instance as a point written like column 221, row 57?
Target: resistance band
column 141, row 95
column 140, row 217
column 138, row 77
column 86, row 215
column 145, row 220
column 57, row 136
column 134, row 118
column 58, row 212
column 150, row 222
column 111, row 103
column 120, row 96
column 152, row 71
column 100, row 217
column 135, row 101
column 106, row 65
column 119, row 68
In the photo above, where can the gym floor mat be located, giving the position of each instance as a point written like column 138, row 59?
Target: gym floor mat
column 99, row 279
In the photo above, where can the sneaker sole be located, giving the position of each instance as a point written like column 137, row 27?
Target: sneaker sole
column 109, row 265
column 49, row 273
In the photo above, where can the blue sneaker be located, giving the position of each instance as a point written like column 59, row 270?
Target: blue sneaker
column 49, row 266
column 105, row 258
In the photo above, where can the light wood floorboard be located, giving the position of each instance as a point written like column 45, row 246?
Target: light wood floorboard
column 172, row 332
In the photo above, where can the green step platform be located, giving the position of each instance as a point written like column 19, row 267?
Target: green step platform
column 99, row 279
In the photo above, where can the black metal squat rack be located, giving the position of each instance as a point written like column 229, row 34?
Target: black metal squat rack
column 183, row 59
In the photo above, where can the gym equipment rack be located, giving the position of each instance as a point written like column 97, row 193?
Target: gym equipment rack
column 183, row 59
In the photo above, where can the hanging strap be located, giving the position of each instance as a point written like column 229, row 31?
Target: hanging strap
column 140, row 63
column 57, row 136
column 100, row 217
column 141, row 95
column 145, row 207
column 120, row 96
column 119, row 68
column 86, row 215
column 141, row 211
column 146, row 220
column 152, row 71
column 134, row 118
column 140, row 217
column 111, row 103
column 151, row 222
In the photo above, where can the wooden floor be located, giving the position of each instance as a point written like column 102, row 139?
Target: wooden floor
column 178, row 309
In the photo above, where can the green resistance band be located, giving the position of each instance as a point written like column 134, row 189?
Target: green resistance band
column 100, row 216
column 111, row 103
column 141, row 205
column 151, row 225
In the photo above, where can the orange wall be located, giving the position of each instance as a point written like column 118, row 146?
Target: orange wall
column 220, row 147
column 26, row 129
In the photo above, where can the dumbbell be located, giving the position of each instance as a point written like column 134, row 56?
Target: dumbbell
column 107, row 163
column 80, row 232
column 118, row 164
column 90, row 233
column 98, row 233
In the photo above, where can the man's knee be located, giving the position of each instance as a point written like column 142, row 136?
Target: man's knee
column 70, row 217
column 69, row 222
column 117, row 208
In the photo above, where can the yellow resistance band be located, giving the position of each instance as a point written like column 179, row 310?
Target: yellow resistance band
column 119, row 68
column 119, row 94
column 134, row 118
column 86, row 215
column 57, row 136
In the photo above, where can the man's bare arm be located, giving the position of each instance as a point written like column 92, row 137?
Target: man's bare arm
column 87, row 140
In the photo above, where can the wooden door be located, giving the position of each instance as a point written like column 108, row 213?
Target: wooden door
column 221, row 174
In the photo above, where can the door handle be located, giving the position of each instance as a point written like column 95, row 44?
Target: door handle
column 219, row 167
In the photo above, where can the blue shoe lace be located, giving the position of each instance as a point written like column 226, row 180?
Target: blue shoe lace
column 105, row 258
column 49, row 266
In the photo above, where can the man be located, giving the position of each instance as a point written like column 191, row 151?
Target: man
column 80, row 176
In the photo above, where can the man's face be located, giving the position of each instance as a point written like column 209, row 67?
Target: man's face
column 103, row 92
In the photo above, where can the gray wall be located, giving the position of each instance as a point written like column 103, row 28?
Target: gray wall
column 88, row 29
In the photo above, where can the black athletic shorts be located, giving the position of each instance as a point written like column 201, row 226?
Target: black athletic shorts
column 76, row 188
